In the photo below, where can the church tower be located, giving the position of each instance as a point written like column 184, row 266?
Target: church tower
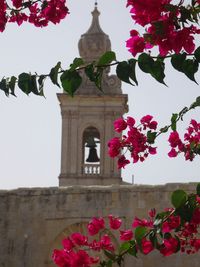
column 87, row 119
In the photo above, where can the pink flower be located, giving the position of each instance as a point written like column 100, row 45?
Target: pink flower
column 95, row 225
column 135, row 45
column 147, row 246
column 152, row 150
column 169, row 246
column 120, row 125
column 79, row 239
column 197, row 244
column 67, row 244
column 80, row 259
column 196, row 216
column 61, row 258
column 17, row 3
column 106, row 243
column 130, row 121
column 114, row 146
column 172, row 223
column 152, row 213
column 174, row 139
column 126, row 235
column 147, row 122
column 122, row 162
column 115, row 222
column 138, row 222
column 172, row 153
column 95, row 245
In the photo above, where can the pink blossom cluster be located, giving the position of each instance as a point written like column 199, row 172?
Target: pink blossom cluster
column 171, row 233
column 163, row 27
column 38, row 13
column 191, row 144
column 73, row 253
column 136, row 141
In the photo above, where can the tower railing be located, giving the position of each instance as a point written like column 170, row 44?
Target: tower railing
column 91, row 169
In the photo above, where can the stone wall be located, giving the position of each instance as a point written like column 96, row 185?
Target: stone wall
column 34, row 221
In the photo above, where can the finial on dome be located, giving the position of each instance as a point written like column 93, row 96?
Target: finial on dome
column 96, row 4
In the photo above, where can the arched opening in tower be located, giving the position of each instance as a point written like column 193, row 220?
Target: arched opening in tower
column 91, row 157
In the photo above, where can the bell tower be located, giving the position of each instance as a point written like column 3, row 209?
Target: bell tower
column 87, row 119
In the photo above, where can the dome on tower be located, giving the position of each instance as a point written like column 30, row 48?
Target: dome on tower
column 94, row 43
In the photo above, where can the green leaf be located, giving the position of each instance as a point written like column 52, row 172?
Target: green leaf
column 190, row 67
column 197, row 54
column 71, row 80
column 24, row 82
column 76, row 63
column 153, row 239
column 192, row 201
column 196, row 103
column 157, row 71
column 198, row 189
column 164, row 129
column 173, row 121
column 179, row 198
column 183, row 111
column 4, row 86
column 109, row 255
column 94, row 75
column 132, row 75
column 34, row 88
column 109, row 263
column 12, row 84
column 54, row 74
column 133, row 251
column 98, row 78
column 155, row 68
column 123, row 72
column 89, row 71
column 145, row 62
column 151, row 136
column 124, row 246
column 106, row 58
column 177, row 61
column 140, row 232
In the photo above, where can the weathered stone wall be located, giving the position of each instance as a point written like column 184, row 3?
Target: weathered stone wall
column 34, row 221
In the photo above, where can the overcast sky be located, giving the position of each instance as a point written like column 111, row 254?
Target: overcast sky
column 31, row 126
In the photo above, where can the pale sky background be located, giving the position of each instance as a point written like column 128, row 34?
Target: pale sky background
column 30, row 135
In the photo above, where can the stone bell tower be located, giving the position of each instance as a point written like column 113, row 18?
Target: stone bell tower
column 87, row 119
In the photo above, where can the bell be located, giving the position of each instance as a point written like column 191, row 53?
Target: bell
column 92, row 157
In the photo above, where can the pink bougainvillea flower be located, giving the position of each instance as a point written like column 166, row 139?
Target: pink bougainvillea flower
column 126, row 235
column 106, row 243
column 172, row 223
column 130, row 121
column 95, row 225
column 120, row 125
column 169, row 246
column 152, row 213
column 196, row 216
column 67, row 244
column 135, row 45
column 144, row 222
column 114, row 146
column 122, row 162
column 115, row 222
column 147, row 246
column 79, row 239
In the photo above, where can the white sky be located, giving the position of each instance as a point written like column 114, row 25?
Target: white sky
column 30, row 134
